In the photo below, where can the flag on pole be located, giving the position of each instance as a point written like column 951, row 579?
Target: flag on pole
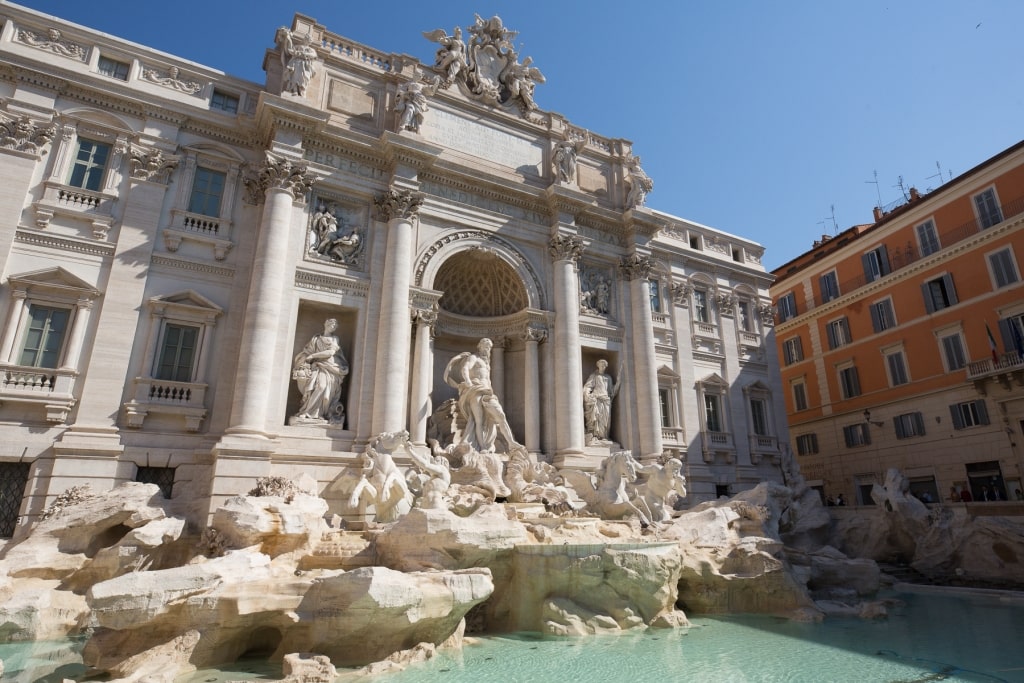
column 992, row 344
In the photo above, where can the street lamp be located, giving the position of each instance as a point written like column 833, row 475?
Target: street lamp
column 867, row 419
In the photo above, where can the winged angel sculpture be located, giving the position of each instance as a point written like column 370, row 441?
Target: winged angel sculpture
column 488, row 68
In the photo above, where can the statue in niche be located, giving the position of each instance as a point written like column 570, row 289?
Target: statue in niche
column 451, row 56
column 564, row 159
column 411, row 102
column 598, row 392
column 331, row 238
column 319, row 370
column 470, row 374
column 639, row 184
column 665, row 483
column 298, row 57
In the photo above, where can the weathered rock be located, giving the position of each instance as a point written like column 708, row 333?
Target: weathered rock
column 829, row 570
column 439, row 539
column 985, row 549
column 36, row 610
column 277, row 524
column 305, row 667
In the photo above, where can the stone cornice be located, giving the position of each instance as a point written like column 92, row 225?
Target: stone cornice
column 274, row 113
column 409, row 151
column 336, row 284
column 63, row 243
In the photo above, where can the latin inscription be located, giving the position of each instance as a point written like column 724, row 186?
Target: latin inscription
column 343, row 164
column 450, row 130
column 470, row 199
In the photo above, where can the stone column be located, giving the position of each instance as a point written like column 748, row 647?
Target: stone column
column 422, row 375
column 498, row 368
column 77, row 336
column 531, row 389
column 16, row 315
column 636, row 269
column 568, row 408
column 399, row 209
column 278, row 184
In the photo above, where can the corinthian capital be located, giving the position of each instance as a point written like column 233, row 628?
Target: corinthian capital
column 396, row 203
column 635, row 267
column 566, row 247
column 152, row 164
column 280, row 173
column 25, row 135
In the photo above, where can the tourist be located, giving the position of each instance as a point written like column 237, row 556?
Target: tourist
column 965, row 495
column 954, row 495
column 840, row 500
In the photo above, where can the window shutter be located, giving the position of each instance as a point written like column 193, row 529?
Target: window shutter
column 823, row 286
column 947, row 281
column 919, row 424
column 866, row 433
column 831, row 331
column 848, row 436
column 865, row 260
column 876, row 320
column 958, row 420
column 883, row 259
column 854, row 382
column 814, row 443
column 1006, row 332
column 898, row 424
column 926, row 291
column 845, row 325
column 982, row 411
column 799, row 348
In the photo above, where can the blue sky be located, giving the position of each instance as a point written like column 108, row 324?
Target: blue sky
column 752, row 117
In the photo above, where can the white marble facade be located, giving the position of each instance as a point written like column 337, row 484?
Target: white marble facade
column 174, row 242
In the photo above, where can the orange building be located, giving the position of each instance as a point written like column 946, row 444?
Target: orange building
column 902, row 343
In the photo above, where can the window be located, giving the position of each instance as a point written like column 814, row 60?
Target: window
column 161, row 476
column 700, row 306
column 712, row 413
column 856, row 435
column 953, row 352
column 666, row 407
column 987, row 206
column 882, row 315
column 113, row 68
column 737, row 255
column 928, row 238
column 746, row 323
column 759, row 416
column 787, row 307
column 1012, row 331
column 876, row 263
column 908, row 424
column 939, row 293
column 89, row 165
column 695, row 242
column 44, row 337
column 792, row 350
column 838, row 333
column 207, row 190
column 849, row 382
column 1004, row 271
column 655, row 296
column 177, row 353
column 829, row 284
column 897, row 367
column 807, row 444
column 969, row 414
column 224, row 102
column 13, row 478
column 799, row 395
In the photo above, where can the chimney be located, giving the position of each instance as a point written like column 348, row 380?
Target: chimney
column 878, row 213
column 914, row 194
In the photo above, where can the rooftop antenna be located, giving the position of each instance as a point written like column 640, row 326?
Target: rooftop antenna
column 939, row 174
column 835, row 225
column 875, row 183
column 899, row 184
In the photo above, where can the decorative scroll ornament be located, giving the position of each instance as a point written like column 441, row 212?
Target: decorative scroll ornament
column 766, row 313
column 488, row 69
column 534, row 334
column 281, row 173
column 726, row 303
column 427, row 316
column 171, row 80
column 55, row 43
column 24, row 135
column 634, row 267
column 566, row 247
column 152, row 164
column 396, row 203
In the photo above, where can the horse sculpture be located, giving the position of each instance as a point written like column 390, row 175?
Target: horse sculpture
column 608, row 496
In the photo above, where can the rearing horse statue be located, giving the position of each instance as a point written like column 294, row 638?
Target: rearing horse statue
column 609, row 498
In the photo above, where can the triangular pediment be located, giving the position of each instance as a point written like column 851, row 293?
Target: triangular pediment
column 54, row 280
column 189, row 299
column 665, row 372
column 758, row 386
column 714, row 379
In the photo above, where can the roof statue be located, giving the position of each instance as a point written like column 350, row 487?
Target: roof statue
column 488, row 69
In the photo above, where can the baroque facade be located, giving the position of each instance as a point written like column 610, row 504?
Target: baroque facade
column 207, row 280
column 902, row 343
